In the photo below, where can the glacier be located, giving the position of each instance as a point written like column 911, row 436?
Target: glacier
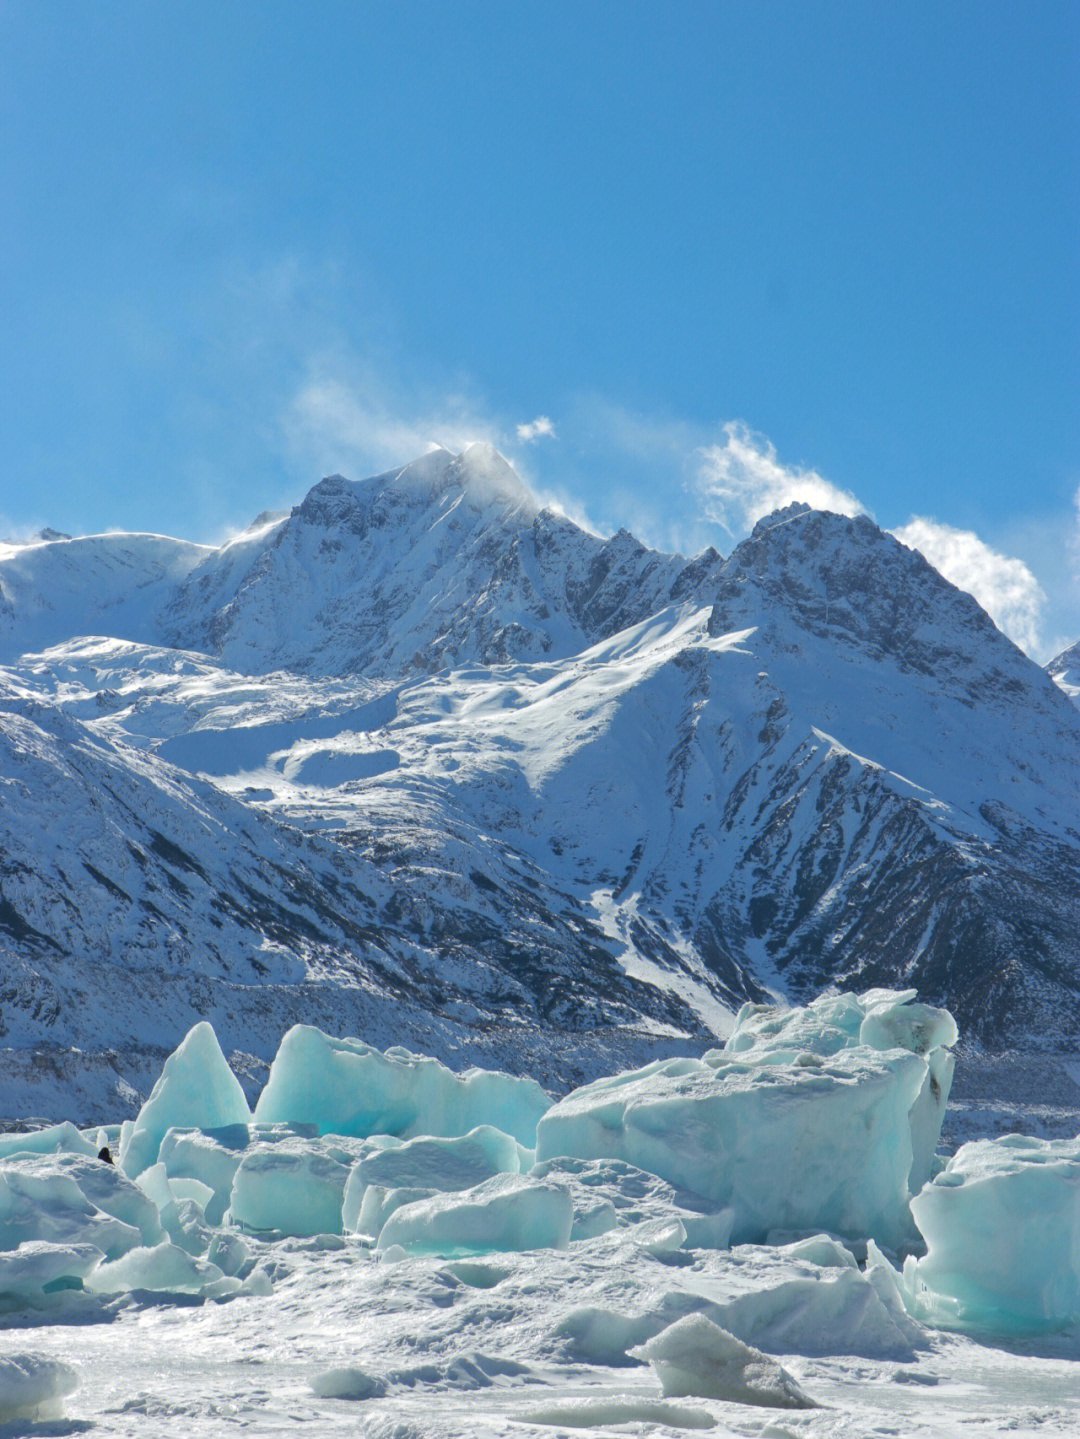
column 798, row 1123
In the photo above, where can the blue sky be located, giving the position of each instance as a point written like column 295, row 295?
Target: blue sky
column 732, row 252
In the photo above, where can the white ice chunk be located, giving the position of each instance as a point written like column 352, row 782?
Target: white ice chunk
column 344, row 1086
column 893, row 1293
column 823, row 1250
column 592, row 1217
column 879, row 1019
column 603, row 1336
column 228, row 1251
column 1002, row 1228
column 603, row 1413
column 659, row 1236
column 509, row 1212
column 805, row 1146
column 182, row 1218
column 32, row 1389
column 163, row 1269
column 927, row 1114
column 815, row 1309
column 893, row 1020
column 154, row 1183
column 600, row 1187
column 54, row 1139
column 376, row 1207
column 697, row 1357
column 414, row 1168
column 192, row 1189
column 768, row 1298
column 213, row 1156
column 197, row 1088
column 66, row 1199
column 448, row 1164
column 110, row 1190
column 183, row 1223
column 37, row 1268
column 347, row 1383
column 352, row 1202
column 831, row 1023
column 295, row 1188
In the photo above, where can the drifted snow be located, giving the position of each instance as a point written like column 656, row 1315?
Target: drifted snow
column 32, row 1388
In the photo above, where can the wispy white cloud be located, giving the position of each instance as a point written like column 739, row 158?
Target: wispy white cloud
column 1005, row 587
column 17, row 533
column 536, row 429
column 607, row 427
column 741, row 479
column 737, row 478
column 345, row 417
column 689, row 478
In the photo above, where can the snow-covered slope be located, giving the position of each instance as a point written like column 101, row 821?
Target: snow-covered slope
column 1064, row 670
column 100, row 584
column 135, row 899
column 542, row 794
column 446, row 561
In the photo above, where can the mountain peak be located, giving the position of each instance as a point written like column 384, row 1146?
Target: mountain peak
column 846, row 580
column 487, row 477
column 480, row 473
column 781, row 517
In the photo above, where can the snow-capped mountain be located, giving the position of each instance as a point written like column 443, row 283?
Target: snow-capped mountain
column 1064, row 670
column 445, row 562
column 427, row 762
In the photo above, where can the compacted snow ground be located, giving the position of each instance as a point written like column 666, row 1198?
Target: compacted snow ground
column 443, row 1348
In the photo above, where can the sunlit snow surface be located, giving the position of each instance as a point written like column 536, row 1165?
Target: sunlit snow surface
column 461, row 1349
